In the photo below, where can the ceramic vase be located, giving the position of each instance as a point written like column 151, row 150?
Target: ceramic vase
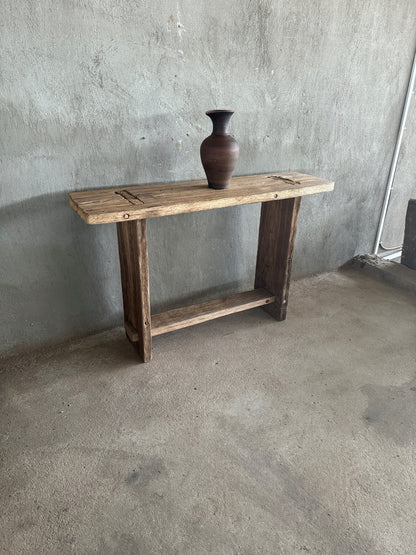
column 219, row 151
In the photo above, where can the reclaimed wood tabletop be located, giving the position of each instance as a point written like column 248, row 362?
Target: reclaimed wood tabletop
column 138, row 202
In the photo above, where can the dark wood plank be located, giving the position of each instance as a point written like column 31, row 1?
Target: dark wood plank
column 277, row 234
column 409, row 242
column 195, row 314
column 134, row 268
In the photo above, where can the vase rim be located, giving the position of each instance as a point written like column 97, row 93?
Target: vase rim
column 219, row 111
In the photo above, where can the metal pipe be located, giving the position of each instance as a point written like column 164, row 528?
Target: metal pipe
column 396, row 153
column 383, row 246
column 391, row 255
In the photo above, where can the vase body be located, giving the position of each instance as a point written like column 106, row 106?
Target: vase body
column 219, row 151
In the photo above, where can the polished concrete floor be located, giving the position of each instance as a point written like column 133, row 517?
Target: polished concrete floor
column 242, row 436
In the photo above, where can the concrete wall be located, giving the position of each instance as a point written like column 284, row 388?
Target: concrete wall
column 404, row 187
column 100, row 93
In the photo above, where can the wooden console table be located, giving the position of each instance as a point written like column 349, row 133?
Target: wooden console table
column 129, row 207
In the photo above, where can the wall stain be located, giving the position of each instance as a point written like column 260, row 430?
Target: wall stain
column 258, row 16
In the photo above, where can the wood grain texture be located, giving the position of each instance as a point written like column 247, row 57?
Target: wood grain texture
column 131, row 332
column 277, row 232
column 134, row 268
column 134, row 202
column 195, row 314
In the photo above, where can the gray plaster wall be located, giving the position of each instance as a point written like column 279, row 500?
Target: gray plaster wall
column 98, row 93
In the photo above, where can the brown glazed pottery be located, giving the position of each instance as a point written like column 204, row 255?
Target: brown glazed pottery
column 219, row 151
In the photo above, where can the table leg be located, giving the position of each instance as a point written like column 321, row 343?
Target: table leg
column 134, row 267
column 277, row 234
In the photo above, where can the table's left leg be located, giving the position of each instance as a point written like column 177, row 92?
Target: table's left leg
column 134, row 267
column 277, row 232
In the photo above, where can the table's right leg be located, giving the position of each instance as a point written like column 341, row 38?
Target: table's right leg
column 134, row 267
column 278, row 222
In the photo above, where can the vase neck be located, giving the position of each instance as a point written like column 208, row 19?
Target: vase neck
column 220, row 121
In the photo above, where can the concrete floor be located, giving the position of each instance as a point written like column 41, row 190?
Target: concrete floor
column 242, row 436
